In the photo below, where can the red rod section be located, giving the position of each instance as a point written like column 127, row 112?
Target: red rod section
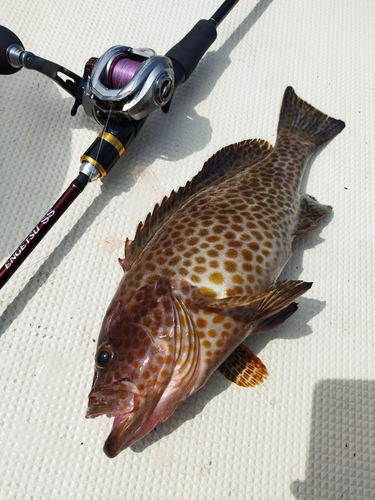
column 39, row 231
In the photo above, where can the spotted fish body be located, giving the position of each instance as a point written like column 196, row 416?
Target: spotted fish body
column 201, row 275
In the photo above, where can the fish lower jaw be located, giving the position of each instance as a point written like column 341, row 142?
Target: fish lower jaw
column 118, row 439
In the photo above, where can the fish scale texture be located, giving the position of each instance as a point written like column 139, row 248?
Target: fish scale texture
column 307, row 432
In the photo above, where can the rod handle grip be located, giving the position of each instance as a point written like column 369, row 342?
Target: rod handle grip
column 187, row 53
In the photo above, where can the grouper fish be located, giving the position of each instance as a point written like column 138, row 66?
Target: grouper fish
column 201, row 275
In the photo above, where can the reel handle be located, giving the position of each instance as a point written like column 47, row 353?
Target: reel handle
column 8, row 38
column 13, row 57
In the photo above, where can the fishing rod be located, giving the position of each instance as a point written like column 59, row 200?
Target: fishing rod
column 118, row 90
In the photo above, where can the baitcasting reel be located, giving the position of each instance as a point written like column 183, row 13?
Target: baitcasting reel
column 123, row 81
column 133, row 82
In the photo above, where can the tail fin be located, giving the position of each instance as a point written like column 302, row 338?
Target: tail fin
column 299, row 116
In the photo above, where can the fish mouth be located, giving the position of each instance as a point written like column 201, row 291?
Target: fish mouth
column 120, row 401
column 129, row 410
column 125, row 425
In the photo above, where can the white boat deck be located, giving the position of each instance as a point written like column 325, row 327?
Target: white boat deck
column 308, row 432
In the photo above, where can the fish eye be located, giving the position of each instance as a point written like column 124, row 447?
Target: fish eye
column 104, row 356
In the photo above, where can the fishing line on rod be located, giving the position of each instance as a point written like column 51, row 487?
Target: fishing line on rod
column 102, row 136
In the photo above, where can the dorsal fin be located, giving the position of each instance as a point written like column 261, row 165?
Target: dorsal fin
column 224, row 162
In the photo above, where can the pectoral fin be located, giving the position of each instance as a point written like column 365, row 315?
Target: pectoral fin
column 276, row 306
column 310, row 212
column 230, row 302
column 244, row 368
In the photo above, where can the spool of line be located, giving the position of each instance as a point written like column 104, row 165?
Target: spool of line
column 122, row 70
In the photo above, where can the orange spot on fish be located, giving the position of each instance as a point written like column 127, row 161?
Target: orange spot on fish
column 247, row 267
column 245, row 237
column 235, row 243
column 254, row 246
column 209, row 292
column 174, row 261
column 230, row 266
column 203, row 232
column 193, row 241
column 199, row 269
column 168, row 321
column 218, row 319
column 218, row 229
column 216, row 278
column 200, row 259
column 201, row 323
column 195, row 278
column 231, row 253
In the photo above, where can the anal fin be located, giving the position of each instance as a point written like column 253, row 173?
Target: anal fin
column 310, row 211
column 244, row 368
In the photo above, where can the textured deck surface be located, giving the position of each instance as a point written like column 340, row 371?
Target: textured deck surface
column 309, row 431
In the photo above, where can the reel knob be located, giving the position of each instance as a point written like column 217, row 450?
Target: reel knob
column 7, row 40
column 163, row 89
